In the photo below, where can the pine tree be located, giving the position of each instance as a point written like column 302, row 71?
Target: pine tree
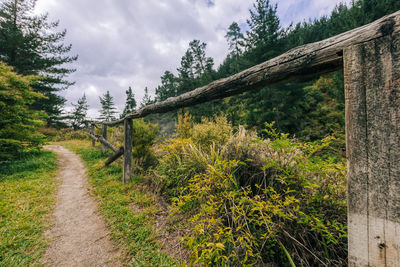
column 30, row 44
column 79, row 113
column 18, row 124
column 236, row 43
column 262, row 39
column 202, row 65
column 107, row 111
column 130, row 104
column 186, row 73
column 146, row 100
column 168, row 87
column 196, row 68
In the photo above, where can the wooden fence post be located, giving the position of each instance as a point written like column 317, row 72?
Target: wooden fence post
column 104, row 134
column 92, row 132
column 372, row 88
column 128, row 132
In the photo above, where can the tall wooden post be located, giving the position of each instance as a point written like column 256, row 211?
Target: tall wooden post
column 372, row 85
column 104, row 134
column 92, row 132
column 128, row 132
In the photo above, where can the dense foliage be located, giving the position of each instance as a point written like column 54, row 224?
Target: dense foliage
column 250, row 200
column 31, row 44
column 296, row 107
column 18, row 123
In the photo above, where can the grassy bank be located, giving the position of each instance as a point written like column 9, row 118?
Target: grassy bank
column 238, row 197
column 127, row 210
column 27, row 196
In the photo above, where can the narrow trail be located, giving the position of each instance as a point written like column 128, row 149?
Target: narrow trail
column 79, row 236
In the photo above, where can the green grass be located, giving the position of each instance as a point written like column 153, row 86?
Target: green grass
column 27, row 196
column 131, row 228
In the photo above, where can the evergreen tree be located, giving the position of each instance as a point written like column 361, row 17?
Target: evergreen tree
column 186, row 73
column 130, row 104
column 305, row 108
column 18, row 123
column 107, row 111
column 202, row 65
column 79, row 113
column 262, row 39
column 146, row 100
column 30, row 44
column 195, row 69
column 168, row 87
column 236, row 43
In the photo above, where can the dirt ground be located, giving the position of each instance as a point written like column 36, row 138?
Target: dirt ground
column 79, row 236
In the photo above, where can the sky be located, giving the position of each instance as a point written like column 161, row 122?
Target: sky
column 122, row 43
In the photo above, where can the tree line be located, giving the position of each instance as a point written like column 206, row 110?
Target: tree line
column 310, row 109
column 32, row 73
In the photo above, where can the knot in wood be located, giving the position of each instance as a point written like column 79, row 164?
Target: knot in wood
column 387, row 27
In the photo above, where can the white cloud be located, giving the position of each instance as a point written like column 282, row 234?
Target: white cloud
column 131, row 43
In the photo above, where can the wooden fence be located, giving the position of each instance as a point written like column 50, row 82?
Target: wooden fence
column 370, row 56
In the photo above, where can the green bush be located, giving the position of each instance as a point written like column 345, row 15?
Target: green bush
column 144, row 136
column 180, row 158
column 209, row 132
column 18, row 122
column 251, row 201
column 68, row 134
column 176, row 165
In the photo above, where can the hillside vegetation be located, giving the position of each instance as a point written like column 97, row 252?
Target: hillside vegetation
column 242, row 199
column 254, row 179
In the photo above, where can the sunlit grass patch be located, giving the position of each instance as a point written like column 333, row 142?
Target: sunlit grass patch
column 27, row 196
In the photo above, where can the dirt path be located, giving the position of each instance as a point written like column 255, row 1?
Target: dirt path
column 79, row 237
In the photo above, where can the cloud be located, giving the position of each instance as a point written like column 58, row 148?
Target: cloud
column 131, row 43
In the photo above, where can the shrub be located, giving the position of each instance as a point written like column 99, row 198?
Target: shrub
column 18, row 123
column 49, row 132
column 209, row 132
column 258, row 201
column 69, row 134
column 184, row 125
column 215, row 131
column 180, row 158
column 176, row 165
column 144, row 136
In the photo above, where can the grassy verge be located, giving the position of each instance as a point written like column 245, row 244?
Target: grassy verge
column 128, row 211
column 27, row 196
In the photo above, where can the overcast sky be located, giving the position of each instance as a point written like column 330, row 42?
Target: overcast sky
column 122, row 43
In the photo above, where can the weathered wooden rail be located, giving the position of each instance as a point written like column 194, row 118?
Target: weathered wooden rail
column 370, row 56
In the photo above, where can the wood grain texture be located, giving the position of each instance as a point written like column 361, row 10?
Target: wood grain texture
column 128, row 132
column 92, row 132
column 118, row 153
column 356, row 142
column 105, row 143
column 373, row 143
column 311, row 59
column 104, row 135
column 102, row 141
